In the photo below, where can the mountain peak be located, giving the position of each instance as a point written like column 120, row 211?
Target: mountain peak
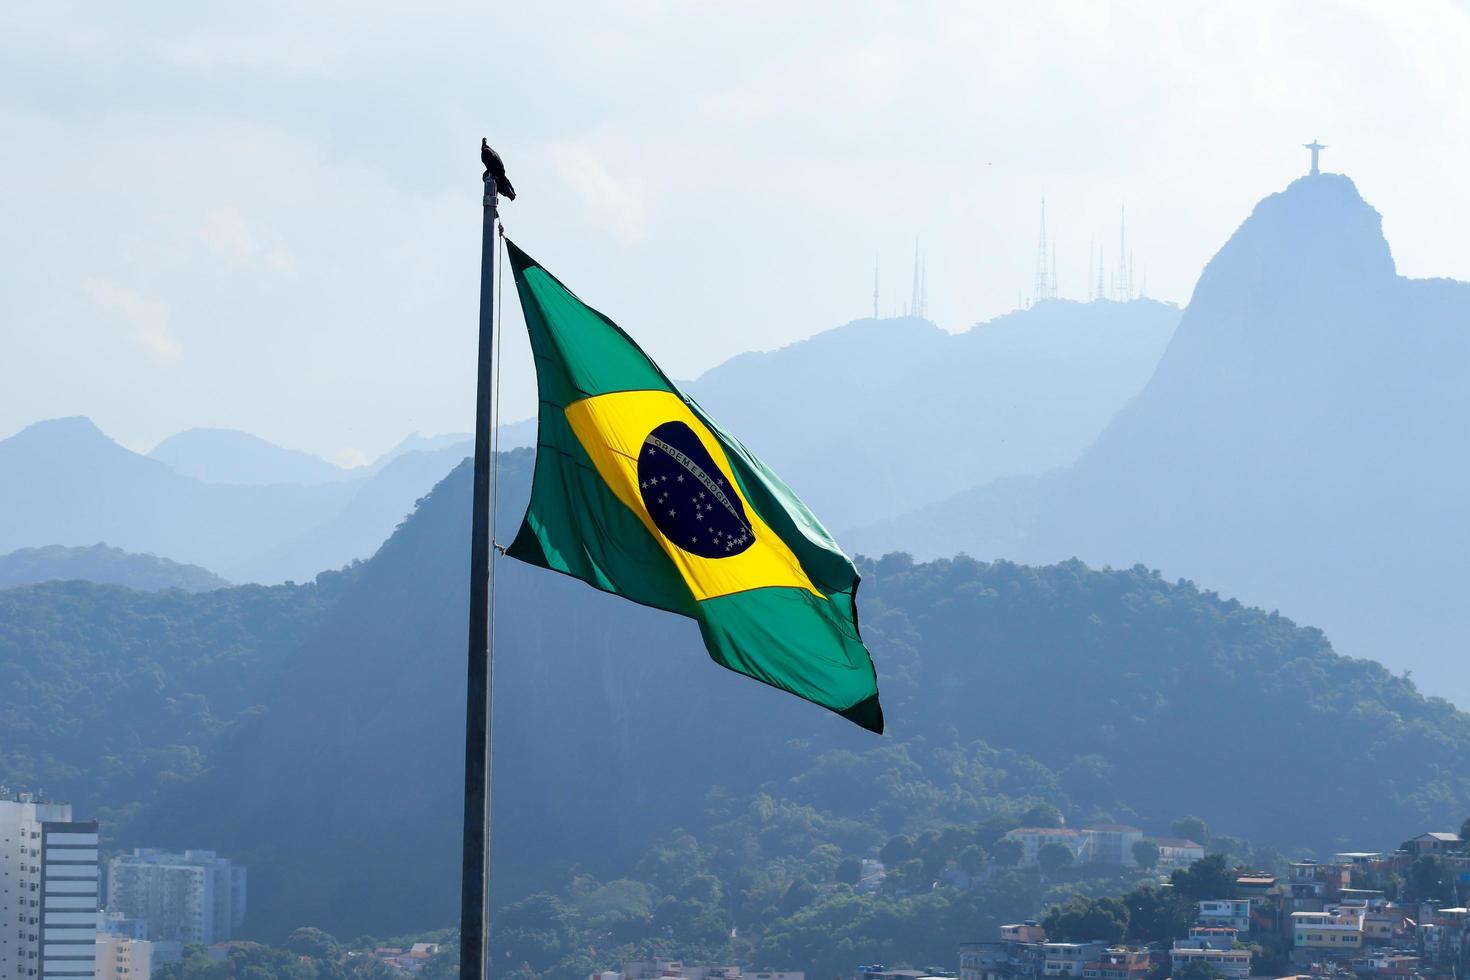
column 1313, row 241
column 236, row 457
column 70, row 432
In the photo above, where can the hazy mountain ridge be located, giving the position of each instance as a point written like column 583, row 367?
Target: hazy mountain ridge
column 869, row 418
column 591, row 688
column 878, row 416
column 232, row 456
column 64, row 482
column 1297, row 445
column 103, row 565
column 371, row 513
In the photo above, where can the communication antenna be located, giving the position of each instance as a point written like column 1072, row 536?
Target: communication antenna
column 1040, row 282
column 916, row 299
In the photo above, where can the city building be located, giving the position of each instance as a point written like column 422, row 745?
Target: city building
column 120, row 958
column 1311, row 887
column 881, row 972
column 1029, row 931
column 1110, row 843
column 48, row 890
column 871, row 875
column 413, row 958
column 193, row 897
column 1434, row 843
column 1233, row 913
column 1209, row 937
column 1033, row 839
column 1234, row 964
column 1176, row 852
column 115, row 924
column 1019, row 955
column 1256, row 884
column 1068, row 959
column 1334, row 929
column 1118, row 963
column 658, row 969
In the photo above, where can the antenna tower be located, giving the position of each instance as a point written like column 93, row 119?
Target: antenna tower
column 916, row 298
column 1041, row 282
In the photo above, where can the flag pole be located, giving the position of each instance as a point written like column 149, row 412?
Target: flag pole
column 475, row 877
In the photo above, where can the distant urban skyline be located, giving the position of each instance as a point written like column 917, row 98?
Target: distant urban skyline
column 271, row 223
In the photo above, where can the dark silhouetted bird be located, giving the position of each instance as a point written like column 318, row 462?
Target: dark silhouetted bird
column 495, row 167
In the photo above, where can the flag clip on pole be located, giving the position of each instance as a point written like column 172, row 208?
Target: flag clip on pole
column 474, row 881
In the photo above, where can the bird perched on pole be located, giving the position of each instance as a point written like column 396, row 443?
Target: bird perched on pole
column 495, row 168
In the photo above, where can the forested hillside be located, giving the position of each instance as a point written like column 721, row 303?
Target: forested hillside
column 195, row 720
column 108, row 695
column 1107, row 694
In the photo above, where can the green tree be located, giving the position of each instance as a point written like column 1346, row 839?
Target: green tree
column 849, row 871
column 1465, row 830
column 1191, row 828
column 971, row 859
column 1084, row 919
column 896, row 851
column 1154, row 915
column 799, row 894
column 1146, row 853
column 1008, row 852
column 1196, row 970
column 534, row 932
column 313, row 942
column 1206, row 878
column 1053, row 857
column 1042, row 815
column 1429, row 880
column 1233, row 848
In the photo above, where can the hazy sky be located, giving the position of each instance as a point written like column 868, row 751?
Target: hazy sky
column 266, row 215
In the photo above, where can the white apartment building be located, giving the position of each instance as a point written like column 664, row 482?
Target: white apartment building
column 1230, row 913
column 193, row 897
column 121, row 958
column 48, row 891
column 1233, row 964
column 1033, row 839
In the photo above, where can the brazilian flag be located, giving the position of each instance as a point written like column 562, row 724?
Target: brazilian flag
column 639, row 493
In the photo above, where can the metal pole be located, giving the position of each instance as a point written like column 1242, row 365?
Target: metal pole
column 475, row 877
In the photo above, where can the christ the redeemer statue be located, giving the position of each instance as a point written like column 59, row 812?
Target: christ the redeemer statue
column 1316, row 148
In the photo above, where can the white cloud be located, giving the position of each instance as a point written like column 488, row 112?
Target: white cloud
column 622, row 203
column 148, row 318
column 228, row 233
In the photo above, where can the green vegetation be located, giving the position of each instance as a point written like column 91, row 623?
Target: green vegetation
column 309, row 954
column 109, row 695
column 646, row 801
